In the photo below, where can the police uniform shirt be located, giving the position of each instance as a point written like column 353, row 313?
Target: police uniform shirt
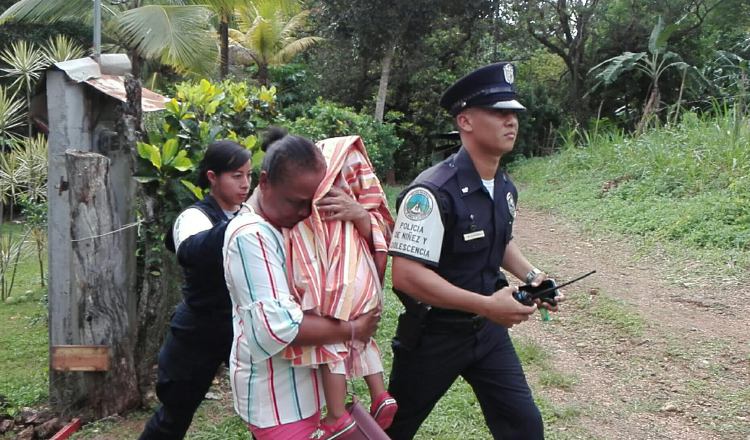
column 448, row 221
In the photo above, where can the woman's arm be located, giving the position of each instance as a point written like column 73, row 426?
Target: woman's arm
column 318, row 330
column 271, row 318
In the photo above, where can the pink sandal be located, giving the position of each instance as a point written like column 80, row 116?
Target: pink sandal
column 383, row 409
column 341, row 429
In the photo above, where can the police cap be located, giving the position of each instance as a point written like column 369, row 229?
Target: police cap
column 489, row 87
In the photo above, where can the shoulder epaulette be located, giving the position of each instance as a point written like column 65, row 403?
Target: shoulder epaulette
column 438, row 174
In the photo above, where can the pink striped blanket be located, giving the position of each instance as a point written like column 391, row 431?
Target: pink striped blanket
column 331, row 268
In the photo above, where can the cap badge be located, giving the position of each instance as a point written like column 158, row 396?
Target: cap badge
column 508, row 73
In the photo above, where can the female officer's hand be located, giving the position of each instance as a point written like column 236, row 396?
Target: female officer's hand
column 503, row 309
column 366, row 325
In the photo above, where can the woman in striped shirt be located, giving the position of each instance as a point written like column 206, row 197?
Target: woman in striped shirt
column 274, row 398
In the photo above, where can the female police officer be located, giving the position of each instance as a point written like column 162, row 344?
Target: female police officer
column 452, row 235
column 200, row 333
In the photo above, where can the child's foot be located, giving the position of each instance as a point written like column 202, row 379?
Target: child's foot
column 383, row 409
column 340, row 429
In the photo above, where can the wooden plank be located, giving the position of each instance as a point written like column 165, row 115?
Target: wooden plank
column 67, row 430
column 80, row 357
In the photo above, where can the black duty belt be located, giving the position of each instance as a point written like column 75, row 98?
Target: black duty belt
column 447, row 324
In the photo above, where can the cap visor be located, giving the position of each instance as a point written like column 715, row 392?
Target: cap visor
column 506, row 105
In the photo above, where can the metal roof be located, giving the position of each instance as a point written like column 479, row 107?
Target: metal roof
column 107, row 76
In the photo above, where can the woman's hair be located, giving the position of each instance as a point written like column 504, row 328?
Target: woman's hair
column 221, row 156
column 286, row 153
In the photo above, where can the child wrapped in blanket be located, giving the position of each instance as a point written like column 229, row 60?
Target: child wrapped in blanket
column 336, row 267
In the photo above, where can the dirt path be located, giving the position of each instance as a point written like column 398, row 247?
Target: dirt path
column 656, row 349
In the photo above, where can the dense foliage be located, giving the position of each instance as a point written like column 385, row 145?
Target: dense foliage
column 326, row 119
column 200, row 113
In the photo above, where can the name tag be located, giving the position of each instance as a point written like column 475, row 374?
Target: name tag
column 473, row 235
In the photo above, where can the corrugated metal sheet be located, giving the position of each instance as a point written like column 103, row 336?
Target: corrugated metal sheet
column 89, row 71
column 114, row 86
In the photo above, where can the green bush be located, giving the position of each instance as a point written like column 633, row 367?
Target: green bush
column 326, row 119
column 200, row 114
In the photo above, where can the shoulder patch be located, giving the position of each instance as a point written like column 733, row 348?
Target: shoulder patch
column 419, row 229
column 511, row 204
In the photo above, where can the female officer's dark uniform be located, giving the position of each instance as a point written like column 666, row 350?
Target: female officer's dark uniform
column 200, row 334
column 448, row 221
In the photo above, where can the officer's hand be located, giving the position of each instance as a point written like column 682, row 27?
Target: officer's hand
column 505, row 310
column 545, row 305
column 558, row 298
column 338, row 205
column 366, row 325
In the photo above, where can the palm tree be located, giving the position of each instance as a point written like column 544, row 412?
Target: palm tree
column 224, row 9
column 266, row 31
column 176, row 33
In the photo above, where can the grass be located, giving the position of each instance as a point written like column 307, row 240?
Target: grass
column 615, row 314
column 686, row 186
column 556, row 379
column 531, row 353
column 23, row 339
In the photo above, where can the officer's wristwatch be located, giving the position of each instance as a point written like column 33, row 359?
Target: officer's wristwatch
column 533, row 273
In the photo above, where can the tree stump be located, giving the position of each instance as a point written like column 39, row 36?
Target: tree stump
column 98, row 299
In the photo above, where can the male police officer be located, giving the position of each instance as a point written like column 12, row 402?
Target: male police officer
column 452, row 235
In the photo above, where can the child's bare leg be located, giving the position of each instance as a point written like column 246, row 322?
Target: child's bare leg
column 334, row 388
column 375, row 384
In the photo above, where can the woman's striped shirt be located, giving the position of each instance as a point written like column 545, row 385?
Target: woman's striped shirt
column 267, row 390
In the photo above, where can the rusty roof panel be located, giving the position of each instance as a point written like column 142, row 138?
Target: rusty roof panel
column 114, row 86
column 88, row 71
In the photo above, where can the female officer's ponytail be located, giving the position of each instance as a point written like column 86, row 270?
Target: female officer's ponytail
column 286, row 153
column 221, row 156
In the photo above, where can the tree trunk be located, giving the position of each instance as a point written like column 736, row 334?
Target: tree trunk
column 99, row 296
column 224, row 41
column 157, row 290
column 263, row 74
column 649, row 109
column 136, row 63
column 385, row 75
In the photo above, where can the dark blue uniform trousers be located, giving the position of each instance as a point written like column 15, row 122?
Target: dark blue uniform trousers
column 195, row 347
column 485, row 359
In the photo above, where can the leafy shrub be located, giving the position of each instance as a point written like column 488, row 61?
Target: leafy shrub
column 326, row 119
column 200, row 114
